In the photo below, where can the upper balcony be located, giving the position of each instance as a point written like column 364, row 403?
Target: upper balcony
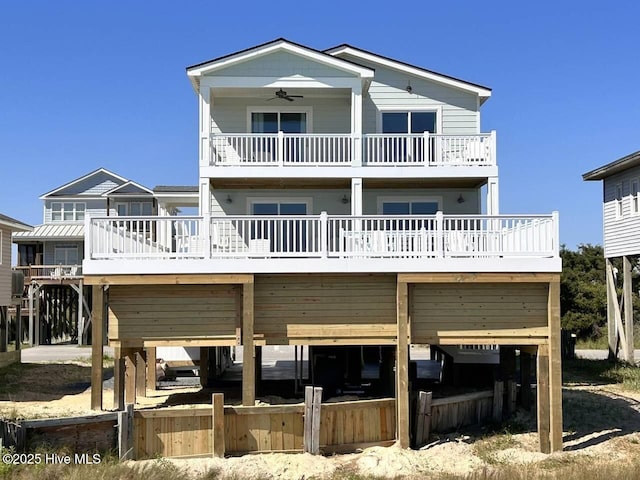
column 322, row 243
column 283, row 154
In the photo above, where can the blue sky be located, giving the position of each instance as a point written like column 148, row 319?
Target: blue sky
column 91, row 84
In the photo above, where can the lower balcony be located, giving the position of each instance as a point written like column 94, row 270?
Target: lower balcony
column 322, row 243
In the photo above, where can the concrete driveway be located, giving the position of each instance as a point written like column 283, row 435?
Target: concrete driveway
column 59, row 353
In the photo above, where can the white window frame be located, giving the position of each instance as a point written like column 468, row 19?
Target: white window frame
column 401, row 199
column 634, row 197
column 407, row 109
column 66, row 248
column 75, row 211
column 282, row 109
column 253, row 200
column 619, row 206
column 127, row 205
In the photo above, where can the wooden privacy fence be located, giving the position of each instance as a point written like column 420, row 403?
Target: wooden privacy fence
column 78, row 434
column 234, row 430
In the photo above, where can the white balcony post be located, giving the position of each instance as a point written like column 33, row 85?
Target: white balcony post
column 440, row 233
column 324, row 234
column 280, row 148
column 205, row 235
column 205, row 126
column 493, row 207
column 494, row 151
column 426, row 151
column 356, row 197
column 555, row 218
column 88, row 237
column 356, row 125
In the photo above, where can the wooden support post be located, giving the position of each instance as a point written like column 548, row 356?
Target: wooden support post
column 36, row 319
column 204, row 366
column 129, row 375
column 555, row 367
column 96, row 348
column 312, row 412
column 612, row 306
column 31, row 312
column 80, row 312
column 217, row 440
column 498, row 401
column 4, row 329
column 628, row 310
column 525, row 380
column 125, row 433
column 248, row 350
column 141, row 373
column 402, row 366
column 258, row 366
column 543, row 398
column 118, row 380
column 151, row 368
column 423, row 420
column 18, row 327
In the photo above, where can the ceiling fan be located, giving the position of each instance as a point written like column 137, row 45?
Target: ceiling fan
column 282, row 94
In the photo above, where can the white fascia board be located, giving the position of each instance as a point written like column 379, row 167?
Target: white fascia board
column 280, row 82
column 320, row 265
column 75, row 198
column 434, row 77
column 337, row 63
column 130, row 182
column 84, row 177
column 348, row 171
column 16, row 227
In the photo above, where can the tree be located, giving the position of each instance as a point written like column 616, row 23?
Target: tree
column 583, row 291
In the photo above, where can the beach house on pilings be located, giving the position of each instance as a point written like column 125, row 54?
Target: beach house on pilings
column 341, row 203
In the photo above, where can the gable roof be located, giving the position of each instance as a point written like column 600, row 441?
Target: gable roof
column 129, row 188
column 620, row 165
column 482, row 91
column 58, row 191
column 13, row 224
column 279, row 44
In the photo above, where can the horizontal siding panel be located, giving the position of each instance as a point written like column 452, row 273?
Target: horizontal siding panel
column 478, row 310
column 345, row 306
column 172, row 311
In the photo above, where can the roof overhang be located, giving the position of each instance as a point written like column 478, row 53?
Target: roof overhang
column 483, row 92
column 617, row 166
column 117, row 191
column 14, row 225
column 44, row 196
column 50, row 232
column 194, row 72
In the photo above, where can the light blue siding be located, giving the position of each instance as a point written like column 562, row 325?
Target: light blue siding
column 330, row 200
column 329, row 115
column 460, row 113
column 281, row 64
column 621, row 234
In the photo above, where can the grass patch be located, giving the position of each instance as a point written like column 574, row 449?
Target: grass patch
column 583, row 371
column 486, row 447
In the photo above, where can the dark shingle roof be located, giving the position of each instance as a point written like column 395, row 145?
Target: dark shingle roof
column 624, row 163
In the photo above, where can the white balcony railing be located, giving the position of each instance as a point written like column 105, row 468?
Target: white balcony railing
column 338, row 149
column 323, row 236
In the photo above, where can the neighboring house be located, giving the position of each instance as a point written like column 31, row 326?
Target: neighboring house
column 51, row 254
column 621, row 220
column 8, row 225
column 341, row 203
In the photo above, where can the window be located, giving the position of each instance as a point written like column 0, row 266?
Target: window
column 274, row 122
column 65, row 255
column 135, row 209
column 619, row 200
column 67, row 211
column 1, row 252
column 635, row 204
column 281, row 235
column 397, row 207
column 409, row 122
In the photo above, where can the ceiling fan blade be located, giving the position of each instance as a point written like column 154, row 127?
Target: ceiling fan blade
column 296, row 96
column 288, row 97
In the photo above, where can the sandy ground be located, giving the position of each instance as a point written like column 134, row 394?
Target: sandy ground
column 600, row 421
